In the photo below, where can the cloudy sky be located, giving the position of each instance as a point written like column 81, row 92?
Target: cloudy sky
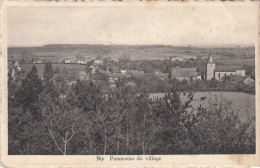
column 172, row 25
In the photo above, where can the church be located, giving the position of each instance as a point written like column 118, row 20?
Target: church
column 211, row 71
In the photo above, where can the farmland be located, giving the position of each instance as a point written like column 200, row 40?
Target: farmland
column 242, row 103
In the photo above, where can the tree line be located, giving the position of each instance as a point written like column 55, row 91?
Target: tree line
column 43, row 119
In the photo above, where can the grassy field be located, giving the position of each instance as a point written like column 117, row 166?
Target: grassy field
column 242, row 103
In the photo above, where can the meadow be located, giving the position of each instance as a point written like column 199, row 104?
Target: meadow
column 242, row 103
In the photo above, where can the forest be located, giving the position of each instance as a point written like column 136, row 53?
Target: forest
column 46, row 119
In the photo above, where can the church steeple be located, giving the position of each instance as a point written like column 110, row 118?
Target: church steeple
column 210, row 60
column 210, row 69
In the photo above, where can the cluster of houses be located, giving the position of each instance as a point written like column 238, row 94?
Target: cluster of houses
column 191, row 74
column 86, row 61
column 114, row 73
column 68, row 61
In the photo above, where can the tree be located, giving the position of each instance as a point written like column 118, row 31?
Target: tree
column 115, row 109
column 175, row 118
column 213, row 83
column 64, row 72
column 48, row 72
column 57, row 70
column 126, row 97
column 89, row 120
column 61, row 119
column 147, row 67
column 18, row 131
column 28, row 94
column 250, row 71
column 88, row 95
column 146, row 125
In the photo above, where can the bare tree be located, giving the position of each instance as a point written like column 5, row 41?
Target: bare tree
column 60, row 120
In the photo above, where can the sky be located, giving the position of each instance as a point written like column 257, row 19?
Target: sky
column 132, row 25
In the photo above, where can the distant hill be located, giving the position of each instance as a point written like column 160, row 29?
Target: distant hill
column 89, row 46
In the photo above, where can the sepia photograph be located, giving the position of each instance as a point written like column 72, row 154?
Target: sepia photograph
column 155, row 80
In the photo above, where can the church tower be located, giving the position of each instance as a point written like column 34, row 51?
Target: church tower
column 210, row 69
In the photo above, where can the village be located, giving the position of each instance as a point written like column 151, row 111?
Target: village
column 112, row 81
column 110, row 71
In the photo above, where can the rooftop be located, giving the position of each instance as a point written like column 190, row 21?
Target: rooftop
column 184, row 72
column 221, row 68
column 16, row 64
column 82, row 73
column 116, row 75
column 161, row 75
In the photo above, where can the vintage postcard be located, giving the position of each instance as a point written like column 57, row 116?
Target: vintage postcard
column 129, row 84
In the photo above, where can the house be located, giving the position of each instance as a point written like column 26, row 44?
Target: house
column 80, row 62
column 68, row 61
column 37, row 62
column 83, row 75
column 162, row 76
column 249, row 81
column 123, row 71
column 117, row 76
column 221, row 72
column 92, row 69
column 112, row 83
column 98, row 61
column 175, row 58
column 111, row 60
column 218, row 72
column 126, row 73
column 14, row 70
column 136, row 73
column 188, row 74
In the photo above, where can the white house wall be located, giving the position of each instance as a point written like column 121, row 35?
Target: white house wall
column 219, row 75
